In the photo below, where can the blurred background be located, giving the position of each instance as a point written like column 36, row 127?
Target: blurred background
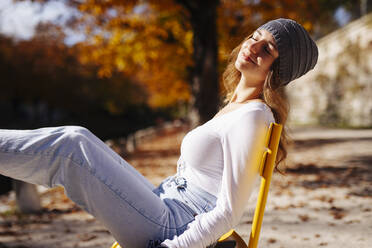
column 131, row 69
column 119, row 66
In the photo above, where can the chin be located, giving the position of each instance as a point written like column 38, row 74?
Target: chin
column 247, row 69
column 242, row 67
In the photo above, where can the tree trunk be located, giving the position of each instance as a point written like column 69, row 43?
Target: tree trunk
column 205, row 86
column 363, row 7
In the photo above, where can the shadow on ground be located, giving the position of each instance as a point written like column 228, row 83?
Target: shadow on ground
column 356, row 175
column 319, row 142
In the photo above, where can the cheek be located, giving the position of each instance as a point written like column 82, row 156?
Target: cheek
column 239, row 55
column 238, row 63
column 267, row 63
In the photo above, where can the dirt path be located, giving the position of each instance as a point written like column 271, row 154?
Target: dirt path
column 323, row 200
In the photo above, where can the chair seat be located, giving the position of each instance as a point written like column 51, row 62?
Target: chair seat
column 231, row 239
column 115, row 245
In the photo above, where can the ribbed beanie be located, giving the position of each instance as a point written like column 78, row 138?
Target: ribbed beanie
column 298, row 53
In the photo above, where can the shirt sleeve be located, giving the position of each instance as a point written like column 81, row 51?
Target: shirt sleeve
column 243, row 146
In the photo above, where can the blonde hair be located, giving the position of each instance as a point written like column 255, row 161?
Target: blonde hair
column 273, row 95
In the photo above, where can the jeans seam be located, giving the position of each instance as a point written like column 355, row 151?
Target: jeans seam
column 81, row 164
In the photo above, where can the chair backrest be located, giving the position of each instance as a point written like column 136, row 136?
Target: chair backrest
column 266, row 171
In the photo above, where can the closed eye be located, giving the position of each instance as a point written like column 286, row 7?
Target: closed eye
column 267, row 50
column 266, row 47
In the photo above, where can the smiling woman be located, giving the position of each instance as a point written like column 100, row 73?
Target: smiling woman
column 218, row 164
column 280, row 51
column 256, row 56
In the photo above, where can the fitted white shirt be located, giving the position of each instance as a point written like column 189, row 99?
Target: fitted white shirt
column 222, row 157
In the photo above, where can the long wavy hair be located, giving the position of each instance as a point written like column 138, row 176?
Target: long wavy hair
column 273, row 94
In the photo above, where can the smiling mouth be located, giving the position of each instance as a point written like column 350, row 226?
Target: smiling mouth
column 249, row 59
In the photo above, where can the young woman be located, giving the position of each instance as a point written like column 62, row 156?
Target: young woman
column 218, row 162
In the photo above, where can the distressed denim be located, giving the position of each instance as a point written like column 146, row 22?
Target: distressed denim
column 137, row 213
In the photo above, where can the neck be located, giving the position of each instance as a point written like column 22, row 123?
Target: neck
column 246, row 91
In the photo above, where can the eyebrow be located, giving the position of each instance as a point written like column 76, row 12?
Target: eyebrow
column 274, row 45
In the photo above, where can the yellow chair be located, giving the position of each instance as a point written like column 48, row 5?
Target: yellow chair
column 232, row 239
column 266, row 171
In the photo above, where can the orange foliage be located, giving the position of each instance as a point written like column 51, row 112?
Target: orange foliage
column 151, row 41
column 149, row 45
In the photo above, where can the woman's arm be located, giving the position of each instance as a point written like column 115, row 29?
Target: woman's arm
column 243, row 145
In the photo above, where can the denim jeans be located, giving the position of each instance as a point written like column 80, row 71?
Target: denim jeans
column 102, row 183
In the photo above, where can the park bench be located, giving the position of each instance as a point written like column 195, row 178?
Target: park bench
column 232, row 239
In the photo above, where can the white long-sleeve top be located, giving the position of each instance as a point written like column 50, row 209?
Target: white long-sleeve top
column 222, row 157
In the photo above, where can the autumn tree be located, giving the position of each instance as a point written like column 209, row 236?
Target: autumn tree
column 168, row 44
column 151, row 46
column 153, row 42
column 204, row 77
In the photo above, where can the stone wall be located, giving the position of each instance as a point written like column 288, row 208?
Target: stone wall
column 338, row 92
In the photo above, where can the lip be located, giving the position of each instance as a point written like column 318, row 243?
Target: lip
column 249, row 58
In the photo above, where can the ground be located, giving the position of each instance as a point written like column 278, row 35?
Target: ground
column 323, row 198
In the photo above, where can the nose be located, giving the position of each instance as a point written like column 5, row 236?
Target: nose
column 255, row 46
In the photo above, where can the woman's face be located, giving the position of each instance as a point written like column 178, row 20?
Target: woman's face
column 256, row 55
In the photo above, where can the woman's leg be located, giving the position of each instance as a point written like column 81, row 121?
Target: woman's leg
column 94, row 177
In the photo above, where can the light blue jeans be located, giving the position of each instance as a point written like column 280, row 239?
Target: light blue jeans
column 97, row 179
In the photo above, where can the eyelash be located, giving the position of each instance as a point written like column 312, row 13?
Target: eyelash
column 267, row 50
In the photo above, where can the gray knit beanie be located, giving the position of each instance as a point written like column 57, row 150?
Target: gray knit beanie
column 298, row 53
